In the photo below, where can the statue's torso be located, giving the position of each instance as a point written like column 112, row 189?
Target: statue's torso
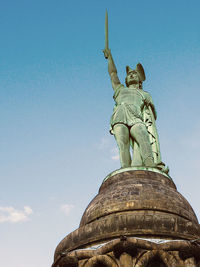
column 131, row 97
column 129, row 106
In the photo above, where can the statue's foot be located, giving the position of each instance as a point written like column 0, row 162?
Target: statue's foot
column 148, row 162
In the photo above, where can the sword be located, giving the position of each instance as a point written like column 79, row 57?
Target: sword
column 106, row 36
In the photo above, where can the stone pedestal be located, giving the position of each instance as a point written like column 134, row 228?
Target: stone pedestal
column 137, row 219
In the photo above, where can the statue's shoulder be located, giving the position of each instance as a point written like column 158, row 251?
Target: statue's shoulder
column 118, row 89
column 119, row 86
column 146, row 94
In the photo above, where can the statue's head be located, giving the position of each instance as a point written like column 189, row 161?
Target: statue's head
column 136, row 76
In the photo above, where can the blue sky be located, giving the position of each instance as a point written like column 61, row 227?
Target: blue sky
column 56, row 102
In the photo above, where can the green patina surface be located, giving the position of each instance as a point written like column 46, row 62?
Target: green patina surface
column 135, row 169
column 133, row 119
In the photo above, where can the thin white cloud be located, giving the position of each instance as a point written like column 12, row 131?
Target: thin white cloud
column 114, row 154
column 116, row 157
column 104, row 143
column 12, row 215
column 66, row 208
column 28, row 210
column 108, row 146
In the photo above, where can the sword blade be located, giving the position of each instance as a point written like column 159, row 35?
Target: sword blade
column 106, row 30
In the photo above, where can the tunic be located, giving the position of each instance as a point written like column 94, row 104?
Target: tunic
column 129, row 105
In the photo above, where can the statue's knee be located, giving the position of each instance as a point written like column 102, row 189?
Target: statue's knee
column 141, row 127
column 140, row 130
column 123, row 145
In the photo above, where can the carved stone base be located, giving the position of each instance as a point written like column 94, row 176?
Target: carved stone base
column 130, row 252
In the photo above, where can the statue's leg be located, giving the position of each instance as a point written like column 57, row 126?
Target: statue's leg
column 121, row 133
column 140, row 135
column 136, row 159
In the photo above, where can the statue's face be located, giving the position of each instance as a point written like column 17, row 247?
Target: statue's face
column 132, row 78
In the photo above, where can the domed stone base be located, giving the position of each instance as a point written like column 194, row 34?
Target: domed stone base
column 133, row 252
column 140, row 204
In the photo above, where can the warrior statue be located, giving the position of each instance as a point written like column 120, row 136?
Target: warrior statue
column 134, row 115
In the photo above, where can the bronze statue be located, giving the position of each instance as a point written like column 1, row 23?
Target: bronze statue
column 134, row 115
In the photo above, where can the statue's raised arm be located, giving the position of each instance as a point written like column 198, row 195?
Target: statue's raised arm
column 112, row 70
